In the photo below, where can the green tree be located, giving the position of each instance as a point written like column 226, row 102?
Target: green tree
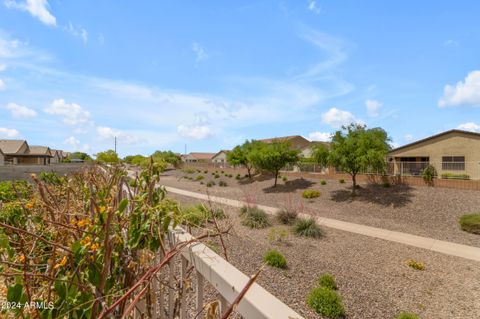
column 79, row 155
column 167, row 156
column 273, row 157
column 355, row 149
column 242, row 155
column 320, row 154
column 107, row 157
column 135, row 159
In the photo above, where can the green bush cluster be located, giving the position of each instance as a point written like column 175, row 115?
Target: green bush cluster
column 328, row 281
column 415, row 264
column 429, row 173
column 238, row 177
column 310, row 193
column 222, row 184
column 307, row 228
column 51, row 178
column 277, row 235
column 341, row 181
column 275, row 259
column 210, row 184
column 455, row 176
column 217, row 176
column 326, row 302
column 407, row 315
column 323, row 182
column 9, row 190
column 470, row 223
column 188, row 170
column 254, row 217
column 199, row 177
column 284, row 178
column 287, row 216
column 199, row 214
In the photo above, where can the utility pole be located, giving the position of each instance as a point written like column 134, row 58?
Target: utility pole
column 115, row 145
column 185, row 149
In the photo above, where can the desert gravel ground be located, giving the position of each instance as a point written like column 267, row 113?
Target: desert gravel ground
column 424, row 211
column 372, row 275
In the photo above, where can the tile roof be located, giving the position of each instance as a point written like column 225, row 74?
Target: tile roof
column 11, row 146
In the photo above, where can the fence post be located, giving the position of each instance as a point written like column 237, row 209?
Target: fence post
column 199, row 303
column 183, row 278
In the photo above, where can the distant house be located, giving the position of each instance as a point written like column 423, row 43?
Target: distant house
column 57, row 156
column 453, row 152
column 18, row 152
column 2, row 158
column 297, row 142
column 307, row 151
column 198, row 157
column 220, row 158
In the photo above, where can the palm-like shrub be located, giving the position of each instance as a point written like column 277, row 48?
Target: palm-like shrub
column 287, row 216
column 307, row 228
column 254, row 217
column 470, row 223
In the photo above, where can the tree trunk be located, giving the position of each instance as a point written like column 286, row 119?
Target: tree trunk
column 249, row 171
column 354, row 180
column 276, row 177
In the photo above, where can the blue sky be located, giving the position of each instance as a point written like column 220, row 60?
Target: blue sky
column 210, row 74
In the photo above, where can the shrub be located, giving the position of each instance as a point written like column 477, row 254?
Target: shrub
column 470, row 223
column 455, row 176
column 341, row 181
column 428, row 173
column 325, row 302
column 327, row 281
column 217, row 176
column 238, row 176
column 211, row 213
column 202, row 183
column 407, row 315
column 210, row 184
column 199, row 171
column 222, row 183
column 246, row 175
column 222, row 172
column 8, row 193
column 287, row 216
column 213, row 173
column 199, row 177
column 205, row 172
column 415, row 264
column 188, row 170
column 51, row 178
column 323, row 182
column 277, row 234
column 387, row 184
column 307, row 228
column 275, row 259
column 194, row 215
column 254, row 217
column 310, row 193
column 284, row 178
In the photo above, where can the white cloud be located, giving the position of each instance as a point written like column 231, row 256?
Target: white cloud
column 373, row 107
column 72, row 141
column 451, row 43
column 198, row 132
column 470, row 126
column 2, row 85
column 19, row 111
column 77, row 31
column 108, row 134
column 37, row 8
column 336, row 118
column 71, row 113
column 3, row 67
column 8, row 133
column 463, row 93
column 314, row 7
column 408, row 137
column 200, row 53
column 75, row 145
column 320, row 136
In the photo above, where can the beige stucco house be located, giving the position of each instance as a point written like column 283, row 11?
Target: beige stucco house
column 56, row 156
column 196, row 157
column 2, row 158
column 18, row 152
column 452, row 152
column 220, row 158
column 297, row 142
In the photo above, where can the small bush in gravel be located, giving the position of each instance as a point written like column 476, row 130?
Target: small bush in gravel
column 287, row 216
column 213, row 173
column 326, row 302
column 210, row 184
column 254, row 217
column 238, row 176
column 307, row 228
column 341, row 181
column 310, row 193
column 470, row 223
column 277, row 235
column 194, row 215
column 222, row 184
column 284, row 178
column 205, row 172
column 387, row 185
column 222, row 172
column 415, row 264
column 201, row 183
column 217, row 176
column 199, row 177
column 246, row 175
column 210, row 213
column 188, row 170
column 407, row 315
column 327, row 281
column 323, row 182
column 275, row 259
column 199, row 171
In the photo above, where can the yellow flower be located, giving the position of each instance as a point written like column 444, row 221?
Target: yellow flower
column 84, row 222
column 29, row 206
column 103, row 209
column 86, row 241
column 61, row 263
column 94, row 247
column 21, row 258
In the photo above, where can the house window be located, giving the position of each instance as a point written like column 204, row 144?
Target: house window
column 453, row 163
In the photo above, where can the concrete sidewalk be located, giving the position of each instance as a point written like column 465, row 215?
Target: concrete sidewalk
column 444, row 247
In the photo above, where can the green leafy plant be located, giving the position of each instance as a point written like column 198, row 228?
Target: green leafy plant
column 341, row 181
column 199, row 177
column 222, row 184
column 287, row 216
column 415, row 264
column 284, row 178
column 275, row 259
column 326, row 302
column 327, row 281
column 9, row 190
column 238, row 177
column 254, row 217
column 455, row 176
column 470, row 223
column 307, row 228
column 429, row 173
column 51, row 178
column 277, row 235
column 310, row 193
column 407, row 315
column 323, row 182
